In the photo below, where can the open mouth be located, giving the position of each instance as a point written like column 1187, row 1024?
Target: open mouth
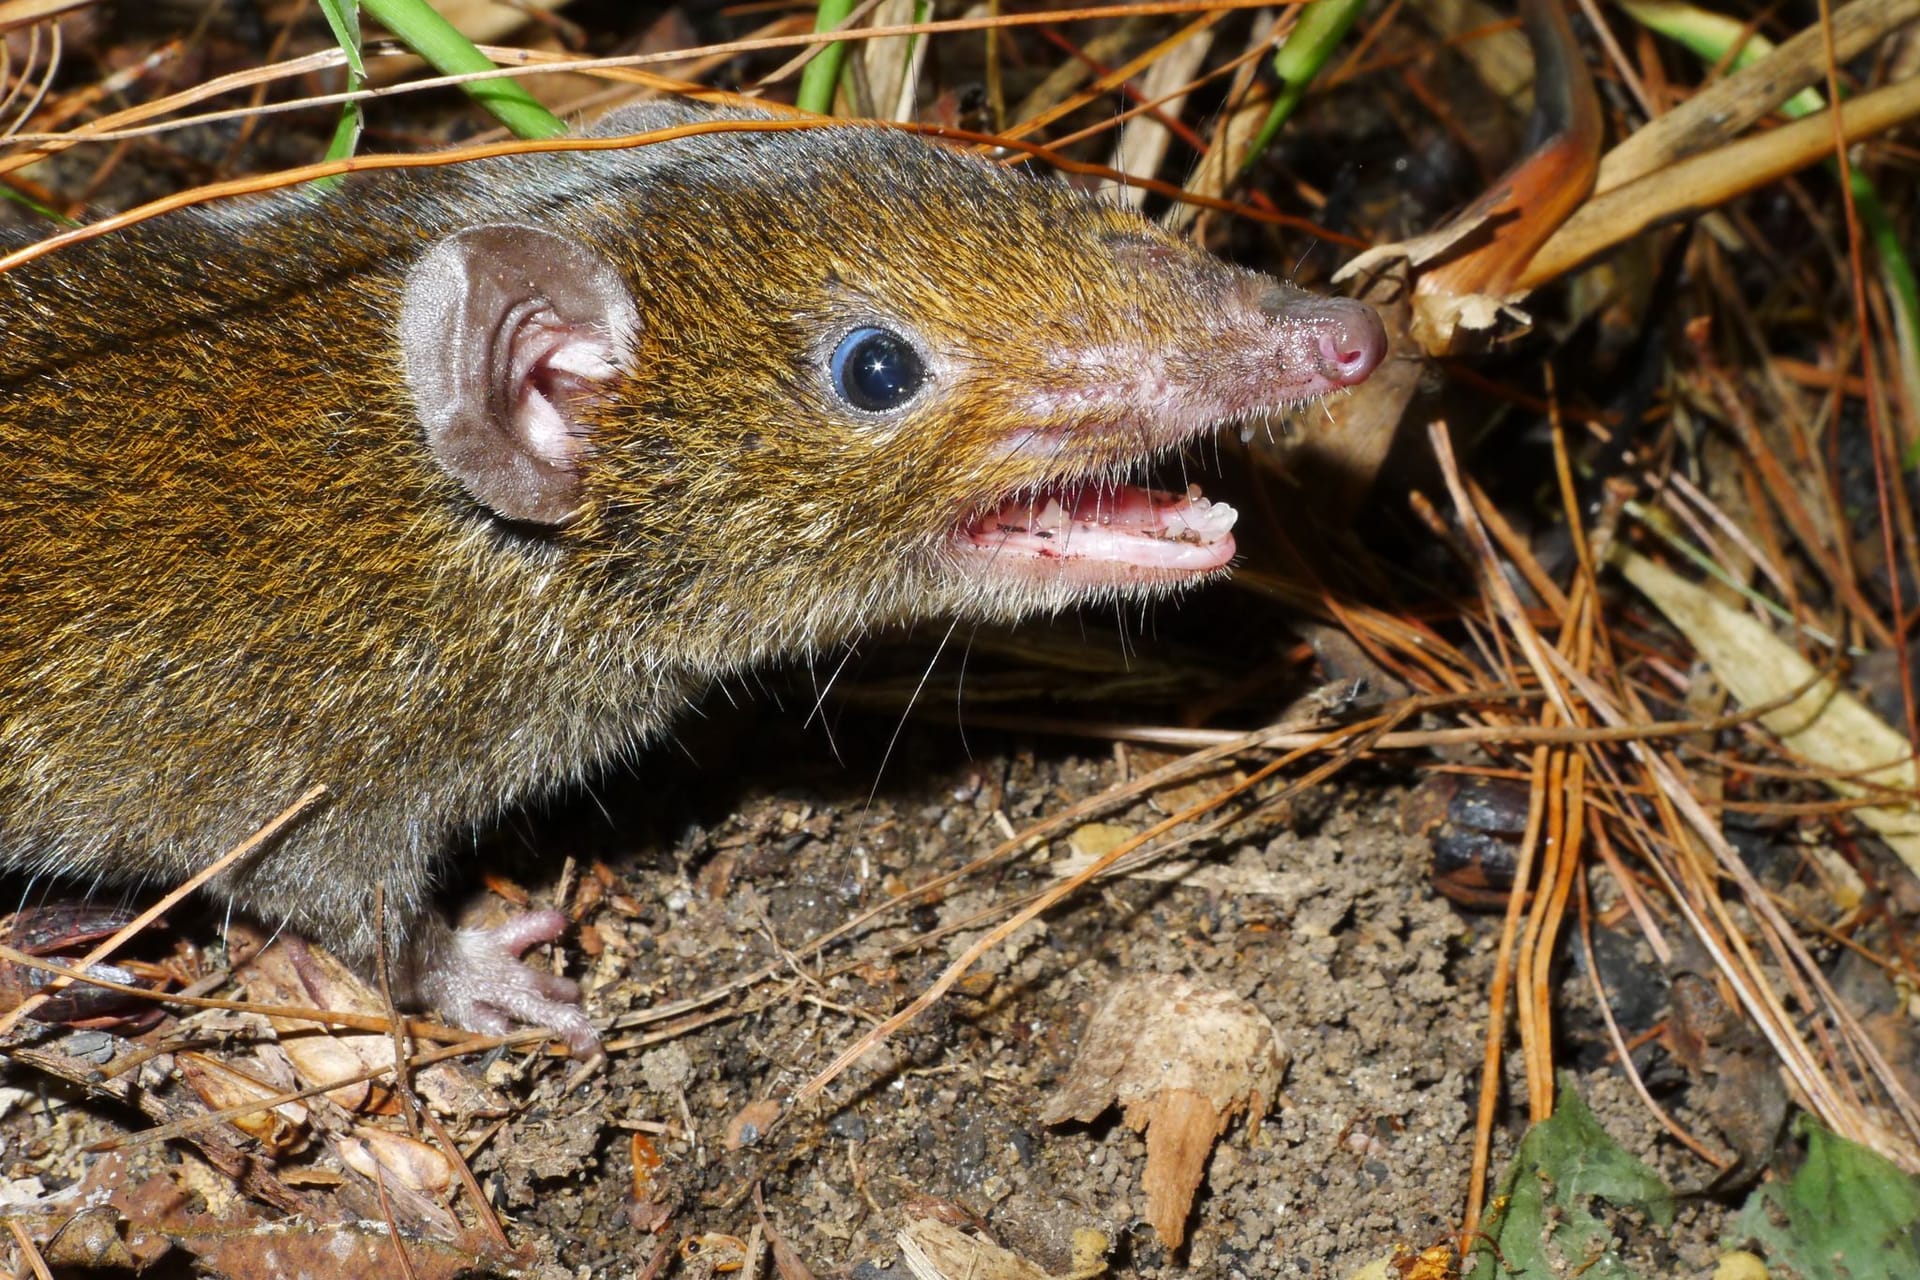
column 1093, row 534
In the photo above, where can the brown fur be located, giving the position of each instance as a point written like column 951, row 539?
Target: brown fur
column 231, row 570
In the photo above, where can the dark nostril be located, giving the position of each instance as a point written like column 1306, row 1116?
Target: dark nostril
column 1352, row 340
column 1342, row 338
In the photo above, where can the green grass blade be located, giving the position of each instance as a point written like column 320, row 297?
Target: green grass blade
column 1710, row 36
column 452, row 54
column 343, row 17
column 822, row 76
column 1319, row 32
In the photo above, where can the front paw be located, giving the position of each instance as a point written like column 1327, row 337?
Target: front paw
column 478, row 981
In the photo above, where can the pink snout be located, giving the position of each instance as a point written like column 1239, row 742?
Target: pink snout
column 1343, row 337
column 1352, row 340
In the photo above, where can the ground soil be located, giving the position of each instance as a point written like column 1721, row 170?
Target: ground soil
column 1322, row 914
column 753, row 838
column 765, row 827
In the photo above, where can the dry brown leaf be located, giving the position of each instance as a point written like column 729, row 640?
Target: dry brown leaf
column 487, row 21
column 247, row 1240
column 395, row 1159
column 17, row 14
column 1438, row 317
column 282, row 1130
column 1094, row 840
column 787, row 1262
column 751, row 1123
column 1416, row 250
column 1182, row 1060
column 934, row 1250
column 1825, row 725
column 291, row 973
column 1145, row 141
column 893, row 64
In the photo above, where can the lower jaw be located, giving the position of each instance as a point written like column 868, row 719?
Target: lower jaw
column 1097, row 541
column 1073, row 575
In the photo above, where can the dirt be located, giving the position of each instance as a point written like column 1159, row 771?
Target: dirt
column 1369, row 980
column 764, row 828
column 752, row 839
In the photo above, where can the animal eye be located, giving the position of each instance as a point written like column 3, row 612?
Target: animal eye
column 875, row 370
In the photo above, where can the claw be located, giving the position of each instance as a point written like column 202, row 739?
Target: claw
column 481, row 983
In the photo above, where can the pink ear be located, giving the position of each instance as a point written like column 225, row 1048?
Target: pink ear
column 503, row 329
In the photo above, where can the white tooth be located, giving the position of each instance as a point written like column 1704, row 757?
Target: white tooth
column 1052, row 516
column 1202, row 523
column 1193, row 495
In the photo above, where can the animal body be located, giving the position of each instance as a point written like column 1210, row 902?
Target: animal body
column 448, row 486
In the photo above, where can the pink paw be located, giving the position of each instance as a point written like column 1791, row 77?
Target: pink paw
column 479, row 982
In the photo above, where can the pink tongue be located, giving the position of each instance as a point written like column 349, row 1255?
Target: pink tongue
column 1143, row 528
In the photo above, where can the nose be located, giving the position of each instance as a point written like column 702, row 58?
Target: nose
column 1349, row 339
column 1352, row 341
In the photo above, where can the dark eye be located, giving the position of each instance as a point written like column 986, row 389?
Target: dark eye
column 875, row 370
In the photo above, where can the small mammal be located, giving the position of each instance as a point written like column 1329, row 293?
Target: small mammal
column 447, row 486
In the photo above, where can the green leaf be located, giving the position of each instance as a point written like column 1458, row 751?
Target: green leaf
column 343, row 17
column 1316, row 35
column 452, row 54
column 1543, row 1224
column 1711, row 36
column 27, row 202
column 1847, row 1214
column 821, row 76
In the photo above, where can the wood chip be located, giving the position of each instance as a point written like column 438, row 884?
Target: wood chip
column 1181, row 1060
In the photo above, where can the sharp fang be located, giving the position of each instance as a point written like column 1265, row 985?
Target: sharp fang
column 1202, row 521
column 1052, row 518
